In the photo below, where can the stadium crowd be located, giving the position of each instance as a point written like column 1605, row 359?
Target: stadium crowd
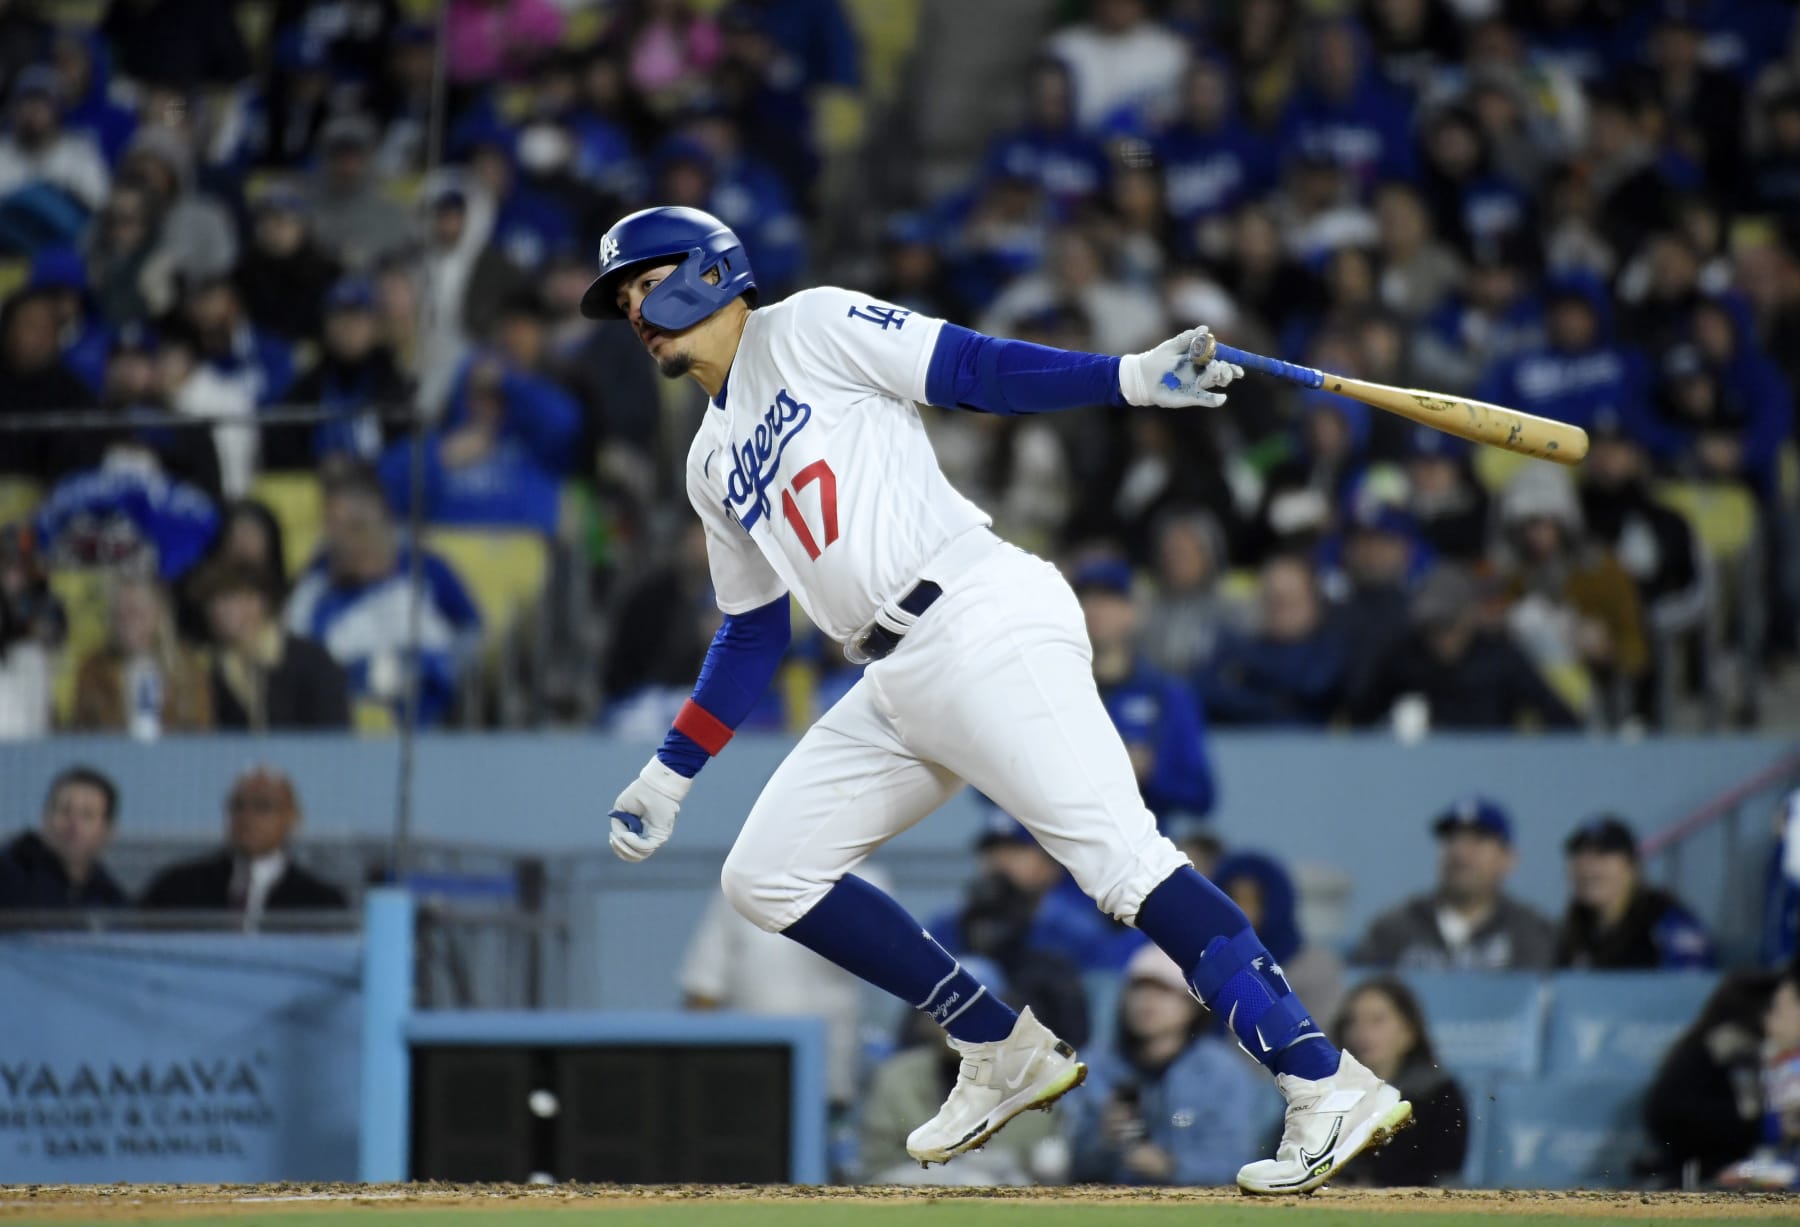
column 268, row 304
column 247, row 237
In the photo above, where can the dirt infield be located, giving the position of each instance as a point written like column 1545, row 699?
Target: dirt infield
column 142, row 1203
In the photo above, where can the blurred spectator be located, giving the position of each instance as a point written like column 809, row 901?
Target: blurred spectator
column 669, row 50
column 1019, row 915
column 23, row 36
column 1380, row 558
column 1123, row 317
column 1125, row 66
column 147, row 379
column 283, row 277
column 464, row 278
column 815, row 35
column 1616, row 920
column 1449, row 506
column 664, row 623
column 1581, row 372
column 1659, row 290
column 1774, row 174
column 908, row 1083
column 61, row 273
column 486, row 39
column 255, row 872
column 1050, row 150
column 1704, row 1106
column 1701, row 104
column 1155, row 714
column 1781, row 902
column 144, row 681
column 25, row 658
column 1302, row 492
column 1382, row 1025
column 1471, row 202
column 1258, row 272
column 706, row 167
column 353, row 220
column 730, row 964
column 1261, row 886
column 58, row 865
column 1776, row 1163
column 1495, row 317
column 1187, row 615
column 1631, row 184
column 1574, row 608
column 127, row 284
column 1451, row 671
column 237, row 368
column 33, row 379
column 1344, row 112
column 601, row 364
column 1419, row 273
column 1291, row 669
column 354, row 599
column 1468, row 923
column 497, row 460
column 1212, row 160
column 1408, row 39
column 1721, row 407
column 1171, row 1103
column 355, row 381
column 353, row 34
column 180, row 43
column 265, row 679
column 51, row 179
column 249, row 535
column 126, row 513
column 194, row 237
column 402, row 97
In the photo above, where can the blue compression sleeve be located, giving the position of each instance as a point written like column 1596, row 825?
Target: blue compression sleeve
column 972, row 371
column 739, row 666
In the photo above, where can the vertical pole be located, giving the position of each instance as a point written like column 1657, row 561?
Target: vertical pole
column 385, row 1135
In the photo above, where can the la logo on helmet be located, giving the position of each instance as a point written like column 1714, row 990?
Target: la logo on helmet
column 609, row 249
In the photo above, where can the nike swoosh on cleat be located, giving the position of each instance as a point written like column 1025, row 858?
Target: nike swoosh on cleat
column 1013, row 1084
column 1310, row 1159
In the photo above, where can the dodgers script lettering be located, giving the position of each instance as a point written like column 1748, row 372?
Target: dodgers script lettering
column 755, row 461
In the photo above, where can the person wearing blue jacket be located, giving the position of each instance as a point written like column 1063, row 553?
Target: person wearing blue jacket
column 1581, row 373
column 1212, row 160
column 1170, row 1103
column 1344, row 111
column 506, row 442
column 84, row 66
column 1293, row 670
column 1157, row 717
column 1069, row 166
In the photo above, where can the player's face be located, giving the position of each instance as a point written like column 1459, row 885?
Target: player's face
column 673, row 357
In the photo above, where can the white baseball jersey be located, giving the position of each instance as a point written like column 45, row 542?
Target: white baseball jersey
column 812, row 471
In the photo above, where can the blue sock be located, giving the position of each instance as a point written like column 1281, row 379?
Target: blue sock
column 865, row 932
column 1230, row 970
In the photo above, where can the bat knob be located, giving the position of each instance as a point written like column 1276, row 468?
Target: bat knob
column 1203, row 350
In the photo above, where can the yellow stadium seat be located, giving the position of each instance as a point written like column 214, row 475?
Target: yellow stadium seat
column 888, row 29
column 505, row 572
column 19, row 497
column 1495, row 468
column 372, row 719
column 299, row 508
column 12, row 275
column 1724, row 516
column 84, row 595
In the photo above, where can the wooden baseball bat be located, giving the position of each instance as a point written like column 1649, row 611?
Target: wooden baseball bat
column 1474, row 420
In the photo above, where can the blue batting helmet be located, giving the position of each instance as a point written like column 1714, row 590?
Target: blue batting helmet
column 699, row 241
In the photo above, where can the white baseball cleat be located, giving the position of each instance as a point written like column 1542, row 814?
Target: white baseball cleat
column 1329, row 1122
column 1028, row 1069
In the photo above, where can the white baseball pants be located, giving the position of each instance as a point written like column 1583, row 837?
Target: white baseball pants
column 994, row 686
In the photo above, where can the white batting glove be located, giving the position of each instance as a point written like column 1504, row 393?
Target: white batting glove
column 643, row 817
column 1167, row 376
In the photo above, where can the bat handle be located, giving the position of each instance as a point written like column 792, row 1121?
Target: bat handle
column 1306, row 376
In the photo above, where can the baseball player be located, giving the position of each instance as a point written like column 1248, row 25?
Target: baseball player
column 813, row 477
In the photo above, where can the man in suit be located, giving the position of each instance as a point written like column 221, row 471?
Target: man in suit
column 254, row 872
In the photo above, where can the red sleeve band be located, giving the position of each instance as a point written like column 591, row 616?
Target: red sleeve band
column 702, row 727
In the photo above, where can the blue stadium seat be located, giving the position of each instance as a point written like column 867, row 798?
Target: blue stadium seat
column 1483, row 1022
column 1620, row 1022
column 1563, row 1132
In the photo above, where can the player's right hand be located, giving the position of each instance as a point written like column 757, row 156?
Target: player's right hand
column 643, row 817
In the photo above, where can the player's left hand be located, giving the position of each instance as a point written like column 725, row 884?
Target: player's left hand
column 1168, row 375
column 643, row 817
